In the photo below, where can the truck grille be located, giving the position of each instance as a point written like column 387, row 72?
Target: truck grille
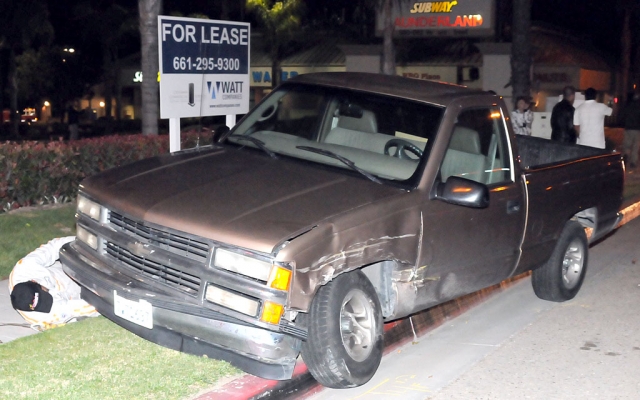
column 177, row 244
column 168, row 275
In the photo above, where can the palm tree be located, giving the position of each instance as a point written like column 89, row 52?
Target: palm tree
column 279, row 20
column 149, row 11
column 521, row 49
column 388, row 47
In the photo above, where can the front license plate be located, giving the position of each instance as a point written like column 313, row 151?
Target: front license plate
column 138, row 312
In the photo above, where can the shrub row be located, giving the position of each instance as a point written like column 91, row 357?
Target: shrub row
column 36, row 173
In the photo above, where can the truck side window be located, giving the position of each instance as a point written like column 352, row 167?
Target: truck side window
column 478, row 149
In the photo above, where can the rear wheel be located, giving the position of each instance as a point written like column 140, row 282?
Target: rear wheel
column 344, row 344
column 561, row 277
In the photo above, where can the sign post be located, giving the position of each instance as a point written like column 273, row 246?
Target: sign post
column 204, row 70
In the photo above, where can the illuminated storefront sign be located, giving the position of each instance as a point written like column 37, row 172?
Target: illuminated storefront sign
column 261, row 76
column 468, row 18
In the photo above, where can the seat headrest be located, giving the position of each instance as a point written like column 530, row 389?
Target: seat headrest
column 365, row 123
column 465, row 139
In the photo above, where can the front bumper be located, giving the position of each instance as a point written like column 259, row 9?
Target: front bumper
column 181, row 326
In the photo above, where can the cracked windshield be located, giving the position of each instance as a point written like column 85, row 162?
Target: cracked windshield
column 379, row 137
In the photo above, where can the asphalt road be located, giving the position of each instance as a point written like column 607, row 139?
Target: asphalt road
column 516, row 346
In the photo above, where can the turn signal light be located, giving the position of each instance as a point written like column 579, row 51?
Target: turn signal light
column 279, row 278
column 271, row 312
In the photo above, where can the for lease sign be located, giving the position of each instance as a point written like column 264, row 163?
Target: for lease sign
column 204, row 67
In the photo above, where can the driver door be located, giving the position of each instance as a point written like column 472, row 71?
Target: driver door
column 466, row 249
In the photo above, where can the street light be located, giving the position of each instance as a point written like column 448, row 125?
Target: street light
column 46, row 103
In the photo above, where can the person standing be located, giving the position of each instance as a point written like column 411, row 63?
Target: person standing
column 522, row 117
column 588, row 120
column 562, row 129
column 631, row 120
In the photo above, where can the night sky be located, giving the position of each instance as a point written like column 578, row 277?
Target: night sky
column 596, row 21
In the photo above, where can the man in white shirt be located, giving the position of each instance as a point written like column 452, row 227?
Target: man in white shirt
column 589, row 120
column 42, row 293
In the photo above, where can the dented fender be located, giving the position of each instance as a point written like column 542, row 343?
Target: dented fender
column 391, row 232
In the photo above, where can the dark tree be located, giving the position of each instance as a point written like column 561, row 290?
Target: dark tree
column 521, row 49
column 279, row 21
column 23, row 25
column 149, row 11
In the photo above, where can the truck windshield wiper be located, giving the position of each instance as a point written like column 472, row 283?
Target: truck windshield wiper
column 259, row 143
column 342, row 159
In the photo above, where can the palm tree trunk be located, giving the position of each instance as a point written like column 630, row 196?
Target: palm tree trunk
column 149, row 11
column 13, row 93
column 521, row 49
column 388, row 49
column 276, row 71
column 626, row 54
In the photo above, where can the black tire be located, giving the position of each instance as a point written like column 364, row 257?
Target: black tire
column 330, row 361
column 561, row 277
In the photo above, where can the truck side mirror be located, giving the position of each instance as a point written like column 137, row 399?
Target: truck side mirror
column 463, row 192
column 218, row 133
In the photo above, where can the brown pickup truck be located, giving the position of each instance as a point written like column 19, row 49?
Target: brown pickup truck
column 340, row 202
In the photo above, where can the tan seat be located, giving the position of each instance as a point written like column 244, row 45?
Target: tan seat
column 465, row 139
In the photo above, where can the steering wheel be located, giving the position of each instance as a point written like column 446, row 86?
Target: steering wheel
column 268, row 113
column 402, row 147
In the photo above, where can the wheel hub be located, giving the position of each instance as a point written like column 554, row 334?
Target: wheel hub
column 572, row 264
column 357, row 325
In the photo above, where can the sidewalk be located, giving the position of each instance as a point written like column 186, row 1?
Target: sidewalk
column 12, row 326
column 587, row 348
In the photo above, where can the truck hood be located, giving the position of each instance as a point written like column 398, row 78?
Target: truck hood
column 232, row 196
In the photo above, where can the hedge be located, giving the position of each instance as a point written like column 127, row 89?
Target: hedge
column 36, row 173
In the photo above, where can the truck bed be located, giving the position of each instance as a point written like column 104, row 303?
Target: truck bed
column 567, row 181
column 538, row 152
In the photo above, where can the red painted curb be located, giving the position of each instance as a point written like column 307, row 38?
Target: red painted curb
column 397, row 334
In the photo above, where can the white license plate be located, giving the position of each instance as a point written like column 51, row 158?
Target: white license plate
column 138, row 312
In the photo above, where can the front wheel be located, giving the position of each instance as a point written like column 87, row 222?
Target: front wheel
column 561, row 277
column 344, row 344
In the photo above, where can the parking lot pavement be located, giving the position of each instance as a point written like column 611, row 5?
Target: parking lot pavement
column 12, row 326
column 516, row 346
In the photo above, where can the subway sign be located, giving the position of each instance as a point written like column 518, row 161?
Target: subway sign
column 461, row 18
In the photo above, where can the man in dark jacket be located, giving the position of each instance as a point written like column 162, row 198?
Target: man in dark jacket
column 562, row 129
column 631, row 120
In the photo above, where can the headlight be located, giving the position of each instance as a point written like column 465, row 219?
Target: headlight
column 232, row 300
column 88, row 207
column 85, row 236
column 248, row 266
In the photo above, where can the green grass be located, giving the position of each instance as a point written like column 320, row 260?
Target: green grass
column 96, row 359
column 24, row 231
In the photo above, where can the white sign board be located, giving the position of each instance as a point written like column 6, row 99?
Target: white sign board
column 204, row 67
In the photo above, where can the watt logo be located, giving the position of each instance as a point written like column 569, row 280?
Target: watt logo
column 217, row 88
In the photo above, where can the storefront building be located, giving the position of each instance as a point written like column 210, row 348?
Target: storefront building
column 452, row 42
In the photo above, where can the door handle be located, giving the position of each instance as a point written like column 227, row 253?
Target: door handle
column 513, row 206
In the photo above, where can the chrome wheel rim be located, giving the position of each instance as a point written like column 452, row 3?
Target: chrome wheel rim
column 573, row 264
column 357, row 325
